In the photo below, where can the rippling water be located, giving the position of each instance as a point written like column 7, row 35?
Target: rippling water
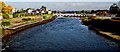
column 61, row 34
column 63, row 5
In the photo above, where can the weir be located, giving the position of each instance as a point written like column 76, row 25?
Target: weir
column 75, row 15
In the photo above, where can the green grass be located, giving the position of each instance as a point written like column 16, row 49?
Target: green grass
column 9, row 25
column 5, row 19
column 116, row 17
column 26, row 21
column 7, row 14
column 1, row 27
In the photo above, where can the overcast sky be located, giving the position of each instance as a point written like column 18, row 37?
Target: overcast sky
column 60, row 0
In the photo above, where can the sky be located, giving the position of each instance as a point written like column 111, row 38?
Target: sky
column 60, row 0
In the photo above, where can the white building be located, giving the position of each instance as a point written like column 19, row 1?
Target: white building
column 37, row 11
column 47, row 9
column 49, row 12
column 14, row 10
column 42, row 12
column 94, row 14
column 30, row 11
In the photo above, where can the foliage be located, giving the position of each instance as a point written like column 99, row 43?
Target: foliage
column 0, row 14
column 2, row 4
column 44, row 17
column 6, row 16
column 5, row 19
column 5, row 23
column 116, row 18
column 26, row 19
column 7, row 9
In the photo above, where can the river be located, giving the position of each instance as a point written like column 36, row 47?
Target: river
column 61, row 34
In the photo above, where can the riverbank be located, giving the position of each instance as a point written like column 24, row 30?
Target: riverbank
column 14, row 29
column 8, row 32
column 14, row 23
column 106, row 27
column 105, row 33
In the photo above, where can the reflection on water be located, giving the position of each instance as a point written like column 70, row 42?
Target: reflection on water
column 61, row 34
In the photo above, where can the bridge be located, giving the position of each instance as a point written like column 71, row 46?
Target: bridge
column 74, row 15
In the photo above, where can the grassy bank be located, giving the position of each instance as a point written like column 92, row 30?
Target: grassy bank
column 109, row 27
column 13, row 23
column 20, row 20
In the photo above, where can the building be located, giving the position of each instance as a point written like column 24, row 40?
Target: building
column 43, row 8
column 30, row 10
column 43, row 12
column 14, row 10
column 49, row 12
column 102, row 11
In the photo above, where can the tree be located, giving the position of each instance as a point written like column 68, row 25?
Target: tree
column 2, row 4
column 114, row 9
column 7, row 9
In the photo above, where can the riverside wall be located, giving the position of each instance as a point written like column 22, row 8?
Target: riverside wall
column 7, row 33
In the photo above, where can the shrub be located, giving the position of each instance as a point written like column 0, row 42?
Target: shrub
column 44, row 17
column 116, row 18
column 26, row 19
column 6, row 23
column 33, row 14
column 6, row 16
column 18, row 21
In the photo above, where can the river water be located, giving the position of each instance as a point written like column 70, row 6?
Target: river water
column 61, row 34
